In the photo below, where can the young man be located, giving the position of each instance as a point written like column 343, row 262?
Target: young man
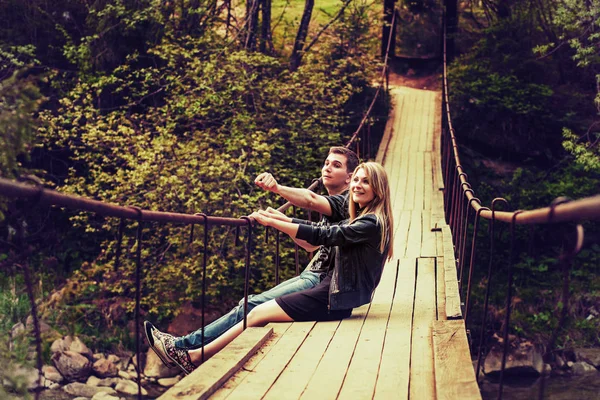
column 335, row 174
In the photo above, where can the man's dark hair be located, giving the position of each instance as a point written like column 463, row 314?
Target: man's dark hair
column 351, row 157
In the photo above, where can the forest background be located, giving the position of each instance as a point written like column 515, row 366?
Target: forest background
column 176, row 106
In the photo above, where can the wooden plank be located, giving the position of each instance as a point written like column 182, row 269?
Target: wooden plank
column 255, row 385
column 431, row 121
column 208, row 377
column 425, row 122
column 428, row 200
column 422, row 382
column 279, row 330
column 394, row 369
column 411, row 183
column 440, row 289
column 437, row 134
column 401, row 233
column 400, row 183
column 454, row 375
column 452, row 295
column 361, row 376
column 329, row 375
column 296, row 375
column 428, row 244
column 414, row 241
column 395, row 110
column 419, row 182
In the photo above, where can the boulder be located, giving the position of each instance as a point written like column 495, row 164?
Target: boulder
column 92, row 381
column 104, row 396
column 129, row 387
column 155, row 368
column 44, row 327
column 109, row 382
column 583, row 368
column 83, row 390
column 524, row 360
column 73, row 366
column 18, row 329
column 590, row 356
column 61, row 344
column 78, row 346
column 168, row 382
column 52, row 374
column 104, row 368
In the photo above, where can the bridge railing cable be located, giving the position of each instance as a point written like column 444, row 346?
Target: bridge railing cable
column 38, row 196
column 464, row 213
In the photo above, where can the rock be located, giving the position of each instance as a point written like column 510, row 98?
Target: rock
column 97, row 356
column 79, row 347
column 124, row 375
column 73, row 366
column 92, row 381
column 582, row 368
column 113, row 359
column 109, row 382
column 81, row 398
column 560, row 362
column 61, row 344
column 525, row 360
column 157, row 369
column 129, row 387
column 104, row 396
column 104, row 368
column 44, row 327
column 24, row 377
column 81, row 389
column 547, row 369
column 18, row 329
column 590, row 356
column 51, row 373
column 168, row 382
column 570, row 364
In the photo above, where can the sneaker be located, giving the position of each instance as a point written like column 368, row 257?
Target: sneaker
column 156, row 340
column 180, row 357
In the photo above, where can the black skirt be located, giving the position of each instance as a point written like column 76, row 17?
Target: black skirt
column 311, row 304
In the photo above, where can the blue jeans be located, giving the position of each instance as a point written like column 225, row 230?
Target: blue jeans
column 305, row 280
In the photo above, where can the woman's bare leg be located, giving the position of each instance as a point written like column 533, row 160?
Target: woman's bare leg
column 260, row 316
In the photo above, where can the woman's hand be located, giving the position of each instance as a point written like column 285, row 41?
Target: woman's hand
column 275, row 214
column 262, row 217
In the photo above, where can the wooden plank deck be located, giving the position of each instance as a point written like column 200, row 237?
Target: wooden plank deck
column 410, row 342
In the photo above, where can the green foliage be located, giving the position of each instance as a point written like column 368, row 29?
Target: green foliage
column 499, row 97
column 185, row 127
column 19, row 99
column 577, row 23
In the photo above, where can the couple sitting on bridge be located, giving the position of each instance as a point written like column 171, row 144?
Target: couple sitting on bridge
column 357, row 226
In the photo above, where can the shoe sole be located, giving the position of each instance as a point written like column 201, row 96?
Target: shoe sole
column 150, row 338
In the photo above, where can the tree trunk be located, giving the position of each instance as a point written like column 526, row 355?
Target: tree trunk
column 252, row 9
column 297, row 52
column 265, row 38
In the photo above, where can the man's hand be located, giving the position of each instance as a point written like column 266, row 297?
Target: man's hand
column 266, row 181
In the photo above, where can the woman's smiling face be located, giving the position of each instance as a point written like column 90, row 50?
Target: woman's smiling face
column 361, row 189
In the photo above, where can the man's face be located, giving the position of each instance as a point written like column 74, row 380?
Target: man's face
column 334, row 173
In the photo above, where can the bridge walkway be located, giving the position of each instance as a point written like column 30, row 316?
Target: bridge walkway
column 410, row 342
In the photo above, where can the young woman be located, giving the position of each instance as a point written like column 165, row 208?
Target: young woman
column 363, row 243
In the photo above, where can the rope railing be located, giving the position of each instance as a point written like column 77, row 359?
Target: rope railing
column 463, row 210
column 40, row 196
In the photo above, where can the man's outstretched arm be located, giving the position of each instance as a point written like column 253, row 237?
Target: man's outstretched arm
column 303, row 198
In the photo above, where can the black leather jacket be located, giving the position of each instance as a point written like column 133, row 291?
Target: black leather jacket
column 358, row 261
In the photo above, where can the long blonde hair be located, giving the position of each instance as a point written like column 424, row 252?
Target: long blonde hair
column 380, row 206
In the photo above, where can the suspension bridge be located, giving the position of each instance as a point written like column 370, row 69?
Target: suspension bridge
column 411, row 340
